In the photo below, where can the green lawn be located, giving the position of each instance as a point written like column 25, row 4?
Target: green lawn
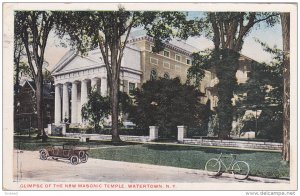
column 30, row 143
column 264, row 164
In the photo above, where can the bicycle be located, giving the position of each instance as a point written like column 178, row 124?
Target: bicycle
column 240, row 169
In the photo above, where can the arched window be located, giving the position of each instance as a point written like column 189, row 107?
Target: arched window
column 166, row 75
column 153, row 74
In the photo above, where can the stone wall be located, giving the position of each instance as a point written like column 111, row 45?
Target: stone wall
column 83, row 137
column 234, row 144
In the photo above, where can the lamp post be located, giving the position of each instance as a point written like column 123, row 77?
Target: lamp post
column 256, row 127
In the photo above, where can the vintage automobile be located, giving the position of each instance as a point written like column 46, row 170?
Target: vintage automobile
column 66, row 151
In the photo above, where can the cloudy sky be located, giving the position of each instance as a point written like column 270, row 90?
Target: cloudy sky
column 252, row 49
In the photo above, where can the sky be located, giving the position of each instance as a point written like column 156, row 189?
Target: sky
column 269, row 35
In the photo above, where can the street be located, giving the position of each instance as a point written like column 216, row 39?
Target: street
column 31, row 168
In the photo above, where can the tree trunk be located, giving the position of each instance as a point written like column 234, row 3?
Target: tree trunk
column 228, row 62
column 40, row 104
column 285, row 22
column 114, row 92
column 16, row 87
column 115, row 110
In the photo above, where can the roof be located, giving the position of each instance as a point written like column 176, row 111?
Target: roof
column 48, row 88
column 177, row 43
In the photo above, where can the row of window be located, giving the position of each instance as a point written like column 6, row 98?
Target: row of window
column 166, row 53
column 165, row 64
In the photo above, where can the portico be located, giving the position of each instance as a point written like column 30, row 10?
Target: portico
column 71, row 96
column 76, row 76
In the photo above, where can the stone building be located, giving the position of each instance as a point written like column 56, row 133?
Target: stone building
column 75, row 75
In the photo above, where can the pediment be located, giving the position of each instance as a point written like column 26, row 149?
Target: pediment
column 72, row 61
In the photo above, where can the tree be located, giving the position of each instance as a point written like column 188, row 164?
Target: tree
column 96, row 109
column 33, row 28
column 167, row 103
column 109, row 31
column 228, row 31
column 285, row 23
column 264, row 92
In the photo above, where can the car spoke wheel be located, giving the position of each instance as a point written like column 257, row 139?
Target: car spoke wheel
column 213, row 167
column 81, row 154
column 74, row 160
column 84, row 158
column 43, row 154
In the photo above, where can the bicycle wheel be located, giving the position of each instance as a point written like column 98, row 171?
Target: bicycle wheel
column 240, row 170
column 213, row 167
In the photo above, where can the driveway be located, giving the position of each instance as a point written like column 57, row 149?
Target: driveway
column 28, row 168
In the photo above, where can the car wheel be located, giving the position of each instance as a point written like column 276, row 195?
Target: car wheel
column 43, row 154
column 84, row 158
column 74, row 160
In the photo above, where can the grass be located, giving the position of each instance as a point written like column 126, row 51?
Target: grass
column 32, row 144
column 263, row 164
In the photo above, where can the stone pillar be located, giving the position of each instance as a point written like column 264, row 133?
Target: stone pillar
column 57, row 108
column 182, row 132
column 49, row 129
column 64, row 129
column 84, row 94
column 66, row 104
column 103, row 87
column 153, row 130
column 74, row 103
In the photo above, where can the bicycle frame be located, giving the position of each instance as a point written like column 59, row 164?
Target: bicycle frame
column 233, row 160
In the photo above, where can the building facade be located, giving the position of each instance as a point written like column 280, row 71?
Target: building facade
column 75, row 75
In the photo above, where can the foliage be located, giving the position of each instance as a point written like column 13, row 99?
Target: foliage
column 264, row 92
column 96, row 109
column 109, row 31
column 167, row 103
column 32, row 28
column 227, row 30
column 224, row 63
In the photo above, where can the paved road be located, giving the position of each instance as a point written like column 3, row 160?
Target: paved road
column 31, row 168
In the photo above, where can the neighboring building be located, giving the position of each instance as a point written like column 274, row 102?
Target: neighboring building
column 75, row 75
column 26, row 116
column 208, row 84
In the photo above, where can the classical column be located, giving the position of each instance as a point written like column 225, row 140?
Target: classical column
column 84, row 93
column 103, row 87
column 57, row 108
column 66, row 104
column 74, row 103
column 94, row 86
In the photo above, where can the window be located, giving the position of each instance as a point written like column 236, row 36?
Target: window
column 166, row 53
column 177, row 57
column 153, row 75
column 167, row 76
column 177, row 67
column 167, row 65
column 131, row 88
column 188, row 61
column 153, row 61
column 151, row 48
